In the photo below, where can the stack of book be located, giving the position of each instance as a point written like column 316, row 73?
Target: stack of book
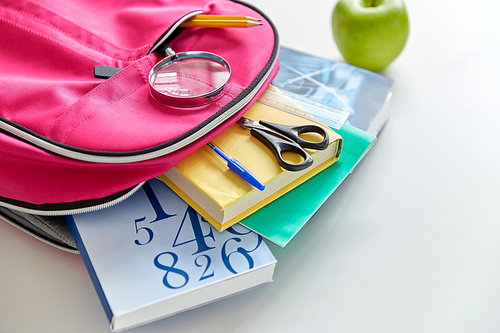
column 195, row 235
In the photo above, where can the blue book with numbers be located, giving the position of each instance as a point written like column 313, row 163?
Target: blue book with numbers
column 153, row 256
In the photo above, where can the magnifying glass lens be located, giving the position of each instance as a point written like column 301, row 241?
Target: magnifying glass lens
column 189, row 80
column 190, row 77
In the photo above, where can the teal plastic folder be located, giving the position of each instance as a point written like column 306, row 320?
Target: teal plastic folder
column 282, row 219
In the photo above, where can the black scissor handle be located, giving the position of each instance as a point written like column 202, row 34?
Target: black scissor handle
column 278, row 146
column 294, row 132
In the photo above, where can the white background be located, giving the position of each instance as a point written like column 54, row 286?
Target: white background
column 409, row 243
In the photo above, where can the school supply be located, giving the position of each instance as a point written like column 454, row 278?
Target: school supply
column 282, row 139
column 201, row 17
column 221, row 21
column 153, row 256
column 189, row 79
column 237, row 167
column 221, row 196
column 305, row 107
column 70, row 142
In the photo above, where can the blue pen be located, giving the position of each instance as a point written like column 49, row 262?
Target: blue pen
column 237, row 167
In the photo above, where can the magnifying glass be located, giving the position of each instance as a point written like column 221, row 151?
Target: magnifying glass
column 189, row 79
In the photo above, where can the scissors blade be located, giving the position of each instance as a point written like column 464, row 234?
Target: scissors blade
column 250, row 124
column 278, row 144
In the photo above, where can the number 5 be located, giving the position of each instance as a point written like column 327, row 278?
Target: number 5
column 148, row 230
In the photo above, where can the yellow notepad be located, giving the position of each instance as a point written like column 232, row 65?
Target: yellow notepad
column 204, row 181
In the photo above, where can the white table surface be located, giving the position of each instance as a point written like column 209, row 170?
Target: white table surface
column 409, row 243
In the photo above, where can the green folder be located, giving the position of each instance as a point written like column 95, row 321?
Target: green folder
column 282, row 219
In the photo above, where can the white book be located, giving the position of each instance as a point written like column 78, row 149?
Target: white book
column 153, row 256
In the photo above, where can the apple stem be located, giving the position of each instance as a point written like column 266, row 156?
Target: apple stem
column 373, row 3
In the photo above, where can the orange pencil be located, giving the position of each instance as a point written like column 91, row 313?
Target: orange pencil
column 220, row 24
column 224, row 17
column 220, row 21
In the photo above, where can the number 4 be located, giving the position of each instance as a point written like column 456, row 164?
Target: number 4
column 199, row 238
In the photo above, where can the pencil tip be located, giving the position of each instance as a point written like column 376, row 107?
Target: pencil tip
column 249, row 18
column 254, row 24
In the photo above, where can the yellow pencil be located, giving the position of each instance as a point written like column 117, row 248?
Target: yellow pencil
column 224, row 17
column 219, row 24
column 220, row 21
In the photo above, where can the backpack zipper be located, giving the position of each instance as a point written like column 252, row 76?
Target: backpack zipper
column 70, row 208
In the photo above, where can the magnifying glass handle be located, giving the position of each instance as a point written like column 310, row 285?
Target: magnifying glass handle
column 168, row 52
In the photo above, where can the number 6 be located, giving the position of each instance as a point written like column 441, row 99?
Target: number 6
column 245, row 253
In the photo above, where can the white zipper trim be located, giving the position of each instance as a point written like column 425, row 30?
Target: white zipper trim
column 76, row 210
column 88, row 157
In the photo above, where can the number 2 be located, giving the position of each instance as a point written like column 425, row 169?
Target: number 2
column 208, row 262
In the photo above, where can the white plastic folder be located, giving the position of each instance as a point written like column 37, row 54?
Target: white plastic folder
column 332, row 92
column 152, row 256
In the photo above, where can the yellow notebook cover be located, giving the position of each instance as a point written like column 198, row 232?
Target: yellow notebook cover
column 205, row 182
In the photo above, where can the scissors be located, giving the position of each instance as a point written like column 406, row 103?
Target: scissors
column 284, row 138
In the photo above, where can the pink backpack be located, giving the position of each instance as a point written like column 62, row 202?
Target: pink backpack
column 70, row 142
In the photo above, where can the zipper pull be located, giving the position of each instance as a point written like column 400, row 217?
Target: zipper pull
column 105, row 72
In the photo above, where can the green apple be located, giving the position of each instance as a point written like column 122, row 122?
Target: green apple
column 370, row 33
